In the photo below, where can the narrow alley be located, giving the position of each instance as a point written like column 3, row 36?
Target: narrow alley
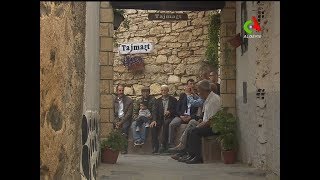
column 157, row 167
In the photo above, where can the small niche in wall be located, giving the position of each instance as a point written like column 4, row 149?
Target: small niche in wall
column 260, row 93
column 244, row 85
column 260, row 14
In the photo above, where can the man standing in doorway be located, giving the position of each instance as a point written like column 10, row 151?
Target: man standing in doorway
column 122, row 106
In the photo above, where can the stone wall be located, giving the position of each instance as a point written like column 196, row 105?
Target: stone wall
column 179, row 50
column 106, row 68
column 259, row 67
column 62, row 62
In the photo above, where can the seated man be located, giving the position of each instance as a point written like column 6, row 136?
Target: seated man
column 211, row 106
column 185, row 112
column 214, row 79
column 165, row 112
column 122, row 107
column 139, row 137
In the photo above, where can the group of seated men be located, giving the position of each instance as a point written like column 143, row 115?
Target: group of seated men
column 195, row 107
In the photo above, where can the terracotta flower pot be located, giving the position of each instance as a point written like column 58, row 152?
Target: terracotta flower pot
column 236, row 41
column 229, row 157
column 109, row 156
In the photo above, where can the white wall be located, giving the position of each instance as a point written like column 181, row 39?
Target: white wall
column 259, row 119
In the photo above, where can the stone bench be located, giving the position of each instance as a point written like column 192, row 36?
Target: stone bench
column 147, row 147
column 211, row 150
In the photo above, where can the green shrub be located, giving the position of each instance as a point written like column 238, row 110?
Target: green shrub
column 115, row 141
column 225, row 124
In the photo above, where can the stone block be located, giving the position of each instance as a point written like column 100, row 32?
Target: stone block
column 120, row 69
column 106, row 15
column 211, row 151
column 228, row 100
column 157, row 30
column 174, row 59
column 105, row 115
column 231, row 86
column 104, row 58
column 230, row 4
column 173, row 45
column 196, row 44
column 161, row 59
column 184, row 79
column 137, row 89
column 228, row 15
column 106, row 72
column 185, row 37
column 105, row 86
column 106, row 44
column 180, row 69
column 106, row 101
column 197, row 32
column 193, row 59
column 179, row 25
column 106, row 29
column 111, row 87
column 155, row 88
column 106, row 128
column 228, row 72
column 105, row 4
column 228, row 29
column 173, row 79
column 128, row 91
column 232, row 111
column 184, row 53
column 223, row 86
column 228, row 57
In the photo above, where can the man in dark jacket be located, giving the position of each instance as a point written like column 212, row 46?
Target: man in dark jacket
column 165, row 112
column 214, row 79
column 122, row 107
column 151, row 106
column 185, row 112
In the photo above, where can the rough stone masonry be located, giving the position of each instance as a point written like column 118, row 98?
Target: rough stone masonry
column 179, row 50
column 62, row 61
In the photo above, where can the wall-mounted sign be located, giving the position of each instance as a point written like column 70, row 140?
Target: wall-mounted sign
column 135, row 48
column 166, row 16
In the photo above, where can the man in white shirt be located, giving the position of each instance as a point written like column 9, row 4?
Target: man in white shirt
column 211, row 106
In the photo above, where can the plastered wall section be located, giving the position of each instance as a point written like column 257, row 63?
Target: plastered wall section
column 259, row 67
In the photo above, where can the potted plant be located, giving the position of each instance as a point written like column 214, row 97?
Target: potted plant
column 111, row 147
column 225, row 124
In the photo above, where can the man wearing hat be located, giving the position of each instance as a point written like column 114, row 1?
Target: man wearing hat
column 140, row 136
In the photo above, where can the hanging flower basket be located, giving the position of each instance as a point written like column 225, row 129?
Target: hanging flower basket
column 236, row 41
column 134, row 63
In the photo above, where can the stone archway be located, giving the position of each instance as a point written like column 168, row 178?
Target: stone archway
column 227, row 61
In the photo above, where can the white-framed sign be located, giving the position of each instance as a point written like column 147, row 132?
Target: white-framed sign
column 135, row 48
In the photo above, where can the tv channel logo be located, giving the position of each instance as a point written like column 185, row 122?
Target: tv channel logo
column 251, row 25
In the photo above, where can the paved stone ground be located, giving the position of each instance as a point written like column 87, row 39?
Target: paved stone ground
column 157, row 167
